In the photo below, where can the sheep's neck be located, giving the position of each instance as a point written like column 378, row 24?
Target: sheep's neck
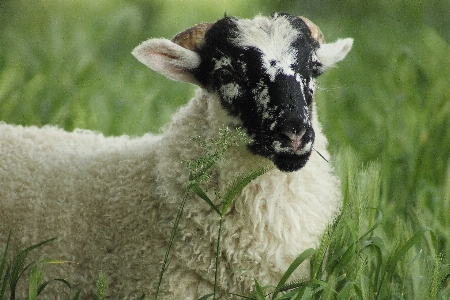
column 202, row 119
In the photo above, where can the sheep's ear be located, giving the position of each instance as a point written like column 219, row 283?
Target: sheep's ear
column 329, row 54
column 168, row 59
column 177, row 58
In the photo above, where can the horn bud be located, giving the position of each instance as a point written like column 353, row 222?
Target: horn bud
column 315, row 30
column 192, row 38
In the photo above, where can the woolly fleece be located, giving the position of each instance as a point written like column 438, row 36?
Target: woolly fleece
column 111, row 202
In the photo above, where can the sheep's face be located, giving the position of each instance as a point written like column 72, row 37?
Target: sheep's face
column 263, row 71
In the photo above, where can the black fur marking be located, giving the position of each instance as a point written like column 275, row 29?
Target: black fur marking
column 270, row 109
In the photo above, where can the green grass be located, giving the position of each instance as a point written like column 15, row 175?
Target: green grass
column 68, row 63
column 13, row 268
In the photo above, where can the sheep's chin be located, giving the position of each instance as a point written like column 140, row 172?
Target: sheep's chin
column 290, row 162
column 285, row 159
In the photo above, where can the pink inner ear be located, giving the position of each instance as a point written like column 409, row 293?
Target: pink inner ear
column 162, row 54
column 168, row 59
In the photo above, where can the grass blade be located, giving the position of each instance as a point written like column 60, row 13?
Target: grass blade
column 376, row 244
column 216, row 273
column 33, row 285
column 169, row 247
column 26, row 250
column 374, row 226
column 393, row 260
column 77, row 294
column 294, row 265
column 199, row 192
column 434, row 291
column 344, row 293
column 258, row 291
column 101, row 288
column 2, row 268
column 17, row 268
column 142, row 297
column 358, row 291
column 206, row 297
column 3, row 262
column 344, row 259
column 307, row 293
column 5, row 282
column 44, row 284
column 240, row 183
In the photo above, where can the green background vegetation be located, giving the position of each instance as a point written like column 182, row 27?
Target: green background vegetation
column 68, row 63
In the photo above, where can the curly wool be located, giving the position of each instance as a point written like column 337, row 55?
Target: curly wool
column 111, row 202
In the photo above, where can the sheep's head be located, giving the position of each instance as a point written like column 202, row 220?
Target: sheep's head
column 263, row 71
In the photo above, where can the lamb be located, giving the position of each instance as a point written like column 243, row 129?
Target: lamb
column 111, row 201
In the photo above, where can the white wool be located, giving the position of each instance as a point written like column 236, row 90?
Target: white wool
column 274, row 38
column 230, row 91
column 101, row 196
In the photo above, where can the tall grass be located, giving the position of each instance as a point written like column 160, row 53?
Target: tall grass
column 356, row 260
column 13, row 269
column 68, row 63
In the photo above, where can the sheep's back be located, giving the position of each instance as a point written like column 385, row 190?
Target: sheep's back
column 90, row 191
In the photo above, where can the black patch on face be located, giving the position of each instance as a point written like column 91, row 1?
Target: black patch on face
column 271, row 111
column 289, row 163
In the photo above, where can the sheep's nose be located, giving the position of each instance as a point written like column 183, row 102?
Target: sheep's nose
column 295, row 139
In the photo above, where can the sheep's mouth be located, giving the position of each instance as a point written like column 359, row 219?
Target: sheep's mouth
column 290, row 157
column 290, row 162
column 285, row 157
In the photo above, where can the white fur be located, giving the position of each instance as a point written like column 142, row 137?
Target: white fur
column 111, row 201
column 329, row 54
column 168, row 59
column 274, row 39
column 230, row 91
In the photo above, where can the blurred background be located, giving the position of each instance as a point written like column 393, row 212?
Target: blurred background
column 68, row 63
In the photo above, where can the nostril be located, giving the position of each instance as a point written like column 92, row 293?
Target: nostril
column 295, row 139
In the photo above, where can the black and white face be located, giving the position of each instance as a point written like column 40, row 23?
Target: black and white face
column 264, row 73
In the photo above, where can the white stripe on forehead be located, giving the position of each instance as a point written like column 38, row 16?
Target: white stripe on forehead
column 274, row 38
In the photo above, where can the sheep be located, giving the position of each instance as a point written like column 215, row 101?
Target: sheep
column 111, row 201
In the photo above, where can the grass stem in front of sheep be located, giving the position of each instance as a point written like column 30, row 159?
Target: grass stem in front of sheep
column 13, row 269
column 213, row 151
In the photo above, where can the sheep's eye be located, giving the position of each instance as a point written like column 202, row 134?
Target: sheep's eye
column 224, row 76
column 316, row 69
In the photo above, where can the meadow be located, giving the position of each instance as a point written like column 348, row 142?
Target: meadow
column 385, row 110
